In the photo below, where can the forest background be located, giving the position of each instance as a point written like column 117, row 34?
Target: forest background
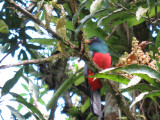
column 47, row 57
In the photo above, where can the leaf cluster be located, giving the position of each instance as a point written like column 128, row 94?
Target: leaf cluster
column 61, row 27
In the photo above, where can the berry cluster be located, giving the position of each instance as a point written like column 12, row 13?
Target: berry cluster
column 138, row 56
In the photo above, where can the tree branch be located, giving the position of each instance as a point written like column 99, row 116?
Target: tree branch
column 80, row 37
column 36, row 61
column 119, row 98
column 52, row 113
column 36, row 20
column 113, row 30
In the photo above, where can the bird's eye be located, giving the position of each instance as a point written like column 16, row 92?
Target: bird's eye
column 94, row 38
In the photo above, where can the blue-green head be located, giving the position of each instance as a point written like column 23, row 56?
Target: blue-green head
column 98, row 45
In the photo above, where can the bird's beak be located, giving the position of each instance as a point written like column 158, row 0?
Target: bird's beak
column 87, row 41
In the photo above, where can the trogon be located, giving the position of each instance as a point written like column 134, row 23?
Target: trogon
column 101, row 56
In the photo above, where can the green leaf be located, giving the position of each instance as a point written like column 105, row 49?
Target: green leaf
column 85, row 106
column 103, row 91
column 33, row 46
column 79, row 80
column 157, row 42
column 81, row 6
column 120, row 15
column 3, row 27
column 32, row 53
column 24, row 55
column 62, row 89
column 25, row 87
column 141, row 87
column 43, row 92
column 19, row 55
column 23, row 94
column 31, row 107
column 91, row 117
column 43, row 41
column 4, row 48
column 10, row 83
column 27, row 115
column 31, row 100
column 152, row 81
column 155, row 93
column 131, row 21
column 16, row 113
column 113, row 15
column 113, row 77
column 19, row 107
column 142, row 69
column 90, row 25
column 41, row 101
column 85, row 19
column 158, row 66
column 26, row 69
column 25, row 78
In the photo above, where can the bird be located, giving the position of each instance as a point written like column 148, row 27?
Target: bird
column 100, row 54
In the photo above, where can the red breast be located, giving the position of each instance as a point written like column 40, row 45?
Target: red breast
column 103, row 61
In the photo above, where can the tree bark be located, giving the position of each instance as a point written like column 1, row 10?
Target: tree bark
column 52, row 113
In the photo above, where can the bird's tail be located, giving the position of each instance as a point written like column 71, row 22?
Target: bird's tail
column 96, row 103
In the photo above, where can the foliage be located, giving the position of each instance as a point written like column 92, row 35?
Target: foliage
column 148, row 89
column 60, row 28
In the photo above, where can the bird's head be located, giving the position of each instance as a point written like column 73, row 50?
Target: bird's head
column 93, row 40
column 97, row 45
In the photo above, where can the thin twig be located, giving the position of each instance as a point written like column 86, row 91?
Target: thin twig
column 111, row 32
column 1, row 116
column 106, row 104
column 36, row 61
column 156, row 14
